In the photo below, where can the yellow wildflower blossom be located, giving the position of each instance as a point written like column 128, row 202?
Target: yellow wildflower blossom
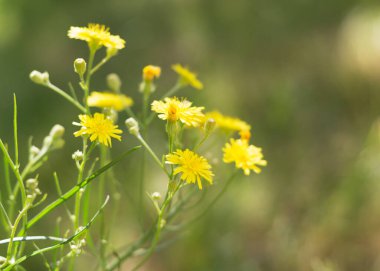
column 227, row 122
column 192, row 166
column 187, row 77
column 173, row 109
column 246, row 157
column 98, row 128
column 108, row 99
column 150, row 72
column 96, row 35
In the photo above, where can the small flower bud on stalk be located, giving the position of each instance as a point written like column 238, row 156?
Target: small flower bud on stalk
column 57, row 131
column 80, row 66
column 156, row 196
column 114, row 82
column 77, row 156
column 39, row 78
column 133, row 126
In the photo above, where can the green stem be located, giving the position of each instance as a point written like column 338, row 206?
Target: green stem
column 13, row 231
column 99, row 65
column 151, row 152
column 66, row 96
column 15, row 128
column 88, row 76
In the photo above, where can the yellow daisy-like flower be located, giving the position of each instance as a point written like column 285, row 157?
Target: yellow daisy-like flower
column 96, row 35
column 246, row 157
column 150, row 72
column 108, row 99
column 192, row 166
column 187, row 77
column 227, row 122
column 98, row 128
column 172, row 109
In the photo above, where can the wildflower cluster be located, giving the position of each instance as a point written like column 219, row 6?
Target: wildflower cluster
column 184, row 163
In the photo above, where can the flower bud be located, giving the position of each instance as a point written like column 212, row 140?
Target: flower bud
column 114, row 82
column 80, row 66
column 34, row 151
column 150, row 72
column 77, row 156
column 39, row 78
column 156, row 196
column 57, row 131
column 111, row 52
column 133, row 126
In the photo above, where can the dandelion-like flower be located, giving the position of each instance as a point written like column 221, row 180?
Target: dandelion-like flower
column 246, row 157
column 98, row 128
column 192, row 166
column 227, row 122
column 150, row 72
column 173, row 109
column 187, row 77
column 96, row 35
column 108, row 99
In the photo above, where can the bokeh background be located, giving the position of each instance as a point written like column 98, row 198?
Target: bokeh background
column 305, row 74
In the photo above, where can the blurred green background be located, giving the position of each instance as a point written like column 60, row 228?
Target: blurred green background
column 305, row 74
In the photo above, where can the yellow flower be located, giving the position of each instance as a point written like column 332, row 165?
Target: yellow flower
column 172, row 109
column 150, row 72
column 227, row 122
column 98, row 128
column 187, row 77
column 96, row 35
column 192, row 166
column 108, row 99
column 246, row 157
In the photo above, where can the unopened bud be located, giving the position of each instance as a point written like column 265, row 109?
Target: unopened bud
column 31, row 183
column 34, row 150
column 39, row 78
column 156, row 196
column 57, row 131
column 77, row 156
column 111, row 52
column 133, row 126
column 80, row 66
column 114, row 82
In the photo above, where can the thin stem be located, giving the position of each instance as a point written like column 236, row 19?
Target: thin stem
column 32, row 238
column 88, row 76
column 151, row 152
column 66, row 96
column 100, row 64
column 14, row 229
column 15, row 128
column 173, row 90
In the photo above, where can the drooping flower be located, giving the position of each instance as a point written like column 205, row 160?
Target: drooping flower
column 150, row 72
column 173, row 109
column 191, row 166
column 109, row 99
column 96, row 35
column 228, row 123
column 246, row 157
column 187, row 77
column 99, row 128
